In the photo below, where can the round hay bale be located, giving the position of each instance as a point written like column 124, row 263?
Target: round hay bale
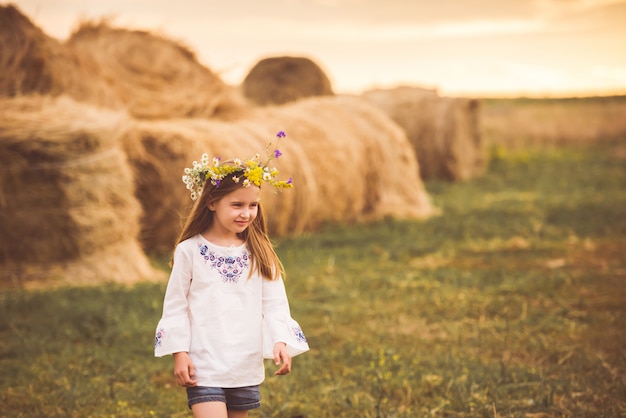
column 67, row 206
column 461, row 145
column 349, row 162
column 152, row 76
column 33, row 63
column 444, row 132
column 280, row 80
column 359, row 164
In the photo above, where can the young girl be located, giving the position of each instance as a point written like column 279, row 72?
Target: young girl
column 225, row 306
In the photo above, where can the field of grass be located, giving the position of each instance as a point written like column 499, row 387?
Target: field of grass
column 511, row 303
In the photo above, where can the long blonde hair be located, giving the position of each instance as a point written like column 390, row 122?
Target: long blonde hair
column 262, row 253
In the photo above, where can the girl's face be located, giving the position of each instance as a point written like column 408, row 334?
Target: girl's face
column 234, row 212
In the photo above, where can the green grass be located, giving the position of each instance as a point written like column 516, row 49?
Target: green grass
column 510, row 303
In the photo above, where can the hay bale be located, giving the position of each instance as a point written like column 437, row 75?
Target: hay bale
column 353, row 162
column 280, row 80
column 444, row 131
column 140, row 72
column 67, row 204
column 349, row 161
column 152, row 76
column 33, row 63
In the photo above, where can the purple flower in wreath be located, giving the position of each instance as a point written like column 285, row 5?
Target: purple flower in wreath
column 281, row 134
column 277, row 153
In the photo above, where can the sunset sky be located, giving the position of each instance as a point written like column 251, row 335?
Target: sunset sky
column 544, row 48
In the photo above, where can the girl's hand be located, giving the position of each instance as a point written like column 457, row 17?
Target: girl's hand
column 280, row 353
column 184, row 369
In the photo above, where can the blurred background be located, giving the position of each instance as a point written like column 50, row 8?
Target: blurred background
column 539, row 48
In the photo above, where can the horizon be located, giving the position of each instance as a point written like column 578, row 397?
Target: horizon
column 477, row 48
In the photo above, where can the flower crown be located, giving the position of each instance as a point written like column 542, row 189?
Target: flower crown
column 253, row 171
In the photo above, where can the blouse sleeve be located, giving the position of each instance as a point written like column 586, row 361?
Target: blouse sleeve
column 173, row 333
column 278, row 325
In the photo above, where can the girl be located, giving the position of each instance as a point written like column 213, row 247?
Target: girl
column 225, row 305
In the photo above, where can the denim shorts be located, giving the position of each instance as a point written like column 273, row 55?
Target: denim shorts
column 239, row 399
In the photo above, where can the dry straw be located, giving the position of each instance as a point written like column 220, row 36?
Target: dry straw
column 444, row 132
column 140, row 72
column 349, row 162
column 67, row 199
column 152, row 76
column 33, row 63
column 279, row 80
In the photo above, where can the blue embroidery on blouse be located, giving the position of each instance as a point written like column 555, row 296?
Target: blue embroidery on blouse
column 229, row 267
column 203, row 251
column 158, row 339
column 297, row 332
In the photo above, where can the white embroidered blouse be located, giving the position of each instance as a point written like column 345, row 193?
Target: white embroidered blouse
column 225, row 321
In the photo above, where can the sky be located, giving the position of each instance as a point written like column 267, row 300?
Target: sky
column 479, row 48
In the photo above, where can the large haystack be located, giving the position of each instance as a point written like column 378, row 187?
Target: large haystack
column 280, row 80
column 353, row 162
column 143, row 73
column 349, row 161
column 33, row 63
column 68, row 209
column 444, row 131
column 152, row 76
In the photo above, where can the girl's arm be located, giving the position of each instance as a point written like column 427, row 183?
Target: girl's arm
column 282, row 336
column 173, row 333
